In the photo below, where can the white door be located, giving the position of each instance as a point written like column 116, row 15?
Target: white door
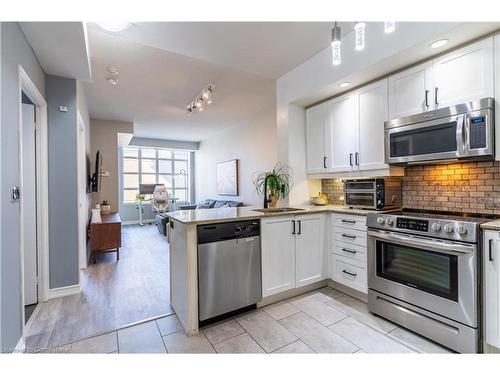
column 491, row 299
column 410, row 91
column 82, row 194
column 373, row 112
column 315, row 138
column 28, row 204
column 309, row 249
column 464, row 75
column 278, row 255
column 341, row 131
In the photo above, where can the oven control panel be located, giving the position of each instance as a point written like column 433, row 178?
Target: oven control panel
column 412, row 224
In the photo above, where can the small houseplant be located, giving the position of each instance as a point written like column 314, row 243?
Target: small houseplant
column 279, row 183
column 105, row 207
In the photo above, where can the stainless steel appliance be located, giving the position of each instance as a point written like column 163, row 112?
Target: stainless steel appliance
column 423, row 273
column 373, row 193
column 464, row 131
column 229, row 268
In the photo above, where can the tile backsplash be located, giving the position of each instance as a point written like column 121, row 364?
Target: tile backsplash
column 465, row 187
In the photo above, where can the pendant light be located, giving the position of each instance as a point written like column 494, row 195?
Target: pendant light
column 360, row 35
column 389, row 26
column 336, row 58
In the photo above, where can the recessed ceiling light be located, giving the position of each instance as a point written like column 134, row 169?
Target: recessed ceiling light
column 114, row 26
column 344, row 84
column 439, row 43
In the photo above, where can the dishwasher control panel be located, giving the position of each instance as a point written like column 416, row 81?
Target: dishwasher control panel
column 227, row 231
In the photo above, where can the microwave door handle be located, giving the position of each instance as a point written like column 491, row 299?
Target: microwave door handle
column 442, row 247
column 461, row 136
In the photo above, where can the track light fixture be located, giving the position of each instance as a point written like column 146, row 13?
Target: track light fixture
column 202, row 99
column 360, row 35
column 336, row 58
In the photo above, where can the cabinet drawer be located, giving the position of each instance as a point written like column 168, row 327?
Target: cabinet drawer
column 350, row 251
column 349, row 221
column 349, row 273
column 350, row 236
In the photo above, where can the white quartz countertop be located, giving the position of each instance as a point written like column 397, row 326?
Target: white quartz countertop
column 493, row 225
column 219, row 215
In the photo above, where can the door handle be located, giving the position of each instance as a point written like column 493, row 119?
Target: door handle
column 350, row 273
column 350, row 251
column 348, row 235
column 349, row 221
column 324, row 162
column 350, row 159
column 300, row 226
column 490, row 250
column 293, row 226
column 436, row 89
column 356, row 158
column 427, row 98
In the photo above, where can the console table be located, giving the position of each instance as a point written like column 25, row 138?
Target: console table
column 106, row 236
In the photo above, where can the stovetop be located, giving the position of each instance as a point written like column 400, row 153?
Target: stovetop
column 446, row 215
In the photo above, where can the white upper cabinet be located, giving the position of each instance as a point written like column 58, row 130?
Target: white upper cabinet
column 458, row 77
column 278, row 255
column 464, row 75
column 309, row 249
column 341, row 134
column 373, row 112
column 315, row 138
column 411, row 91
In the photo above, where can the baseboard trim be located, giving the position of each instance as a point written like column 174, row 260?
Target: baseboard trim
column 64, row 291
column 291, row 293
column 132, row 222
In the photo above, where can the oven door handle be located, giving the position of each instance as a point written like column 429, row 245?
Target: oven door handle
column 438, row 246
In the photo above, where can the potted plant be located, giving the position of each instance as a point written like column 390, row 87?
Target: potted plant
column 279, row 183
column 105, row 207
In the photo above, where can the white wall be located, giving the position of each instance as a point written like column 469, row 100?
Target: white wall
column 253, row 142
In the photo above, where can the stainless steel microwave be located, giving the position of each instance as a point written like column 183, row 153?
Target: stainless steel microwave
column 464, row 131
column 373, row 193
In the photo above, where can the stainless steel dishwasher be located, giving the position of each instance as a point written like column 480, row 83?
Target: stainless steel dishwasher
column 229, row 268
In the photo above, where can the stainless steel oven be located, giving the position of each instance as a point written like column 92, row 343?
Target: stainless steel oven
column 423, row 274
column 464, row 131
column 373, row 193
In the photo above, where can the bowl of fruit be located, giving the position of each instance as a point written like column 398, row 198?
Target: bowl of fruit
column 320, row 200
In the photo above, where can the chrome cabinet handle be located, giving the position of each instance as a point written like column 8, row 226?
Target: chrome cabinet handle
column 293, row 226
column 350, row 251
column 356, row 158
column 427, row 98
column 348, row 235
column 436, row 89
column 324, row 162
column 350, row 273
column 490, row 250
column 350, row 159
column 349, row 221
column 300, row 226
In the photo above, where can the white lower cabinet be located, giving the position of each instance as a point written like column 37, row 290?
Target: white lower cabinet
column 292, row 252
column 348, row 254
column 491, row 300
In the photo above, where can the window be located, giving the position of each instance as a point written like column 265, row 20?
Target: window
column 155, row 166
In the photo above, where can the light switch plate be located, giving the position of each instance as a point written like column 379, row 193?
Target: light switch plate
column 63, row 108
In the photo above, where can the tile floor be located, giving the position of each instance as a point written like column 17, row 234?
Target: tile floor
column 323, row 321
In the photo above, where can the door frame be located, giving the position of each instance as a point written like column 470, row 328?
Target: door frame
column 41, row 139
column 81, row 174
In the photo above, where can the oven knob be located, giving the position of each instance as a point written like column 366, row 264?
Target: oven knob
column 389, row 221
column 448, row 228
column 461, row 230
column 380, row 220
column 436, row 227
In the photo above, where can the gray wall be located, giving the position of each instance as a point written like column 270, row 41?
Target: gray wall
column 15, row 51
column 63, row 189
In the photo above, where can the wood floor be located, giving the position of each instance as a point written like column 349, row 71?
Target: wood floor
column 114, row 294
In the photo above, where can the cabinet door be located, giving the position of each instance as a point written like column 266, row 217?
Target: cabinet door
column 407, row 91
column 278, row 255
column 341, row 131
column 315, row 138
column 309, row 247
column 464, row 75
column 373, row 111
column 492, row 287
